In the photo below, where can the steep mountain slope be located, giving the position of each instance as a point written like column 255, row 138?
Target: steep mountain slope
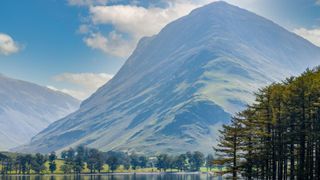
column 26, row 109
column 179, row 86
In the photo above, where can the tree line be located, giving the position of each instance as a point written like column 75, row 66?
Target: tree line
column 25, row 163
column 76, row 160
column 278, row 137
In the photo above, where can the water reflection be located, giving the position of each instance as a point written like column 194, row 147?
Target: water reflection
column 113, row 177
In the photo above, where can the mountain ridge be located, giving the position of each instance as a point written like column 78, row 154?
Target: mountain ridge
column 27, row 108
column 180, row 85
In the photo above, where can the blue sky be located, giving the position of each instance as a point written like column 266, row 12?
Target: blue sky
column 75, row 46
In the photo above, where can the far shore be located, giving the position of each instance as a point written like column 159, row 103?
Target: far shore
column 114, row 173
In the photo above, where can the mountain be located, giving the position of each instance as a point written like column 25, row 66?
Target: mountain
column 180, row 85
column 26, row 109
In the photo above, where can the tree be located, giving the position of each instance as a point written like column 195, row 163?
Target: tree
column 126, row 162
column 189, row 160
column 69, row 157
column 113, row 163
column 99, row 162
column 163, row 162
column 64, row 154
column 134, row 160
column 92, row 160
column 229, row 146
column 66, row 168
column 21, row 164
column 38, row 163
column 78, row 163
column 278, row 136
column 181, row 162
column 28, row 158
column 5, row 163
column 197, row 160
column 52, row 163
column 209, row 162
column 143, row 161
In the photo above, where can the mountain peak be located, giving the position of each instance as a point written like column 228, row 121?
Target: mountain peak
column 219, row 4
column 216, row 7
column 180, row 85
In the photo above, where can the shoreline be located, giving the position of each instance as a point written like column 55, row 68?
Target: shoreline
column 110, row 174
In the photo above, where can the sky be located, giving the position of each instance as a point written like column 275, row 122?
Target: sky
column 76, row 46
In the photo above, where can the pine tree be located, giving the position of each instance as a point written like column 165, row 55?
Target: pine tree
column 230, row 145
column 279, row 135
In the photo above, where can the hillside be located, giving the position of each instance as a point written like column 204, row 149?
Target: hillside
column 180, row 85
column 26, row 109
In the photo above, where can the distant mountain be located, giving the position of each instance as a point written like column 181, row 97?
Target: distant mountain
column 26, row 109
column 179, row 86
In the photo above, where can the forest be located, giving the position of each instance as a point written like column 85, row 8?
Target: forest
column 92, row 161
column 277, row 137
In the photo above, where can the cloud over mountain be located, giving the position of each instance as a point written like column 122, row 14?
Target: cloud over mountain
column 312, row 35
column 130, row 23
column 84, row 84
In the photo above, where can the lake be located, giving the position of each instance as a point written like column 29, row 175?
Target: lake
column 114, row 177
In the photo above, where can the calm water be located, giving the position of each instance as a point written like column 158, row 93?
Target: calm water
column 113, row 177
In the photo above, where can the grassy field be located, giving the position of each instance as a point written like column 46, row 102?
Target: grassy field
column 119, row 170
column 59, row 163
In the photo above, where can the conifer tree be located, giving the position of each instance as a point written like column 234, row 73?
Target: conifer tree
column 278, row 136
column 229, row 146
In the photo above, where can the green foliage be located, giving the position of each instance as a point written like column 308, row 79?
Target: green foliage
column 78, row 163
column 6, row 163
column 66, row 168
column 209, row 162
column 113, row 163
column 181, row 162
column 126, row 162
column 38, row 163
column 138, row 161
column 143, row 162
column 278, row 136
column 94, row 160
column 134, row 160
column 52, row 163
column 196, row 161
column 89, row 160
column 229, row 146
column 163, row 162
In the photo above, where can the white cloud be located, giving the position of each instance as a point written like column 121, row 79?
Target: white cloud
column 88, row 80
column 81, row 95
column 313, row 35
column 87, row 83
column 8, row 45
column 114, row 44
column 133, row 22
column 138, row 21
column 87, row 2
column 83, row 29
column 318, row 2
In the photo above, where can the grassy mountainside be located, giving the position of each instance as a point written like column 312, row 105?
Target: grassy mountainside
column 180, row 85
